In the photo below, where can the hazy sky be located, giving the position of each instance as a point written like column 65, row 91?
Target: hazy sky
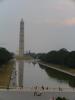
column 49, row 24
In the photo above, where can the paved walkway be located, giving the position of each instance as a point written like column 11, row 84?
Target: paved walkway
column 39, row 89
column 21, row 95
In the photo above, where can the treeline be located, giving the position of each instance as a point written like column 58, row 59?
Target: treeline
column 62, row 57
column 5, row 56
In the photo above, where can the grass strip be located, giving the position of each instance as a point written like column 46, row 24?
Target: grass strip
column 5, row 75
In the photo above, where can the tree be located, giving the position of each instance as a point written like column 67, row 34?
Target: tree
column 5, row 56
column 70, row 59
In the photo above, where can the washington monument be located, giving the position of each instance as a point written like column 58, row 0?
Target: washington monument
column 21, row 38
column 21, row 53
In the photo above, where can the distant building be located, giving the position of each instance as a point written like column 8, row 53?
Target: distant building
column 21, row 38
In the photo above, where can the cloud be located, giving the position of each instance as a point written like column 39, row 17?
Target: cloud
column 70, row 21
column 73, row 0
column 50, row 22
column 1, row 0
column 56, row 22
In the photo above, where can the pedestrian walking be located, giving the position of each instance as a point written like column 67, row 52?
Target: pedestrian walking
column 47, row 88
column 42, row 87
column 35, row 91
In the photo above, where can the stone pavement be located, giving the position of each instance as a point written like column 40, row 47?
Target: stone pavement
column 22, row 95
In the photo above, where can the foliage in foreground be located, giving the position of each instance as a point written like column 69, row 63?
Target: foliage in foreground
column 61, row 98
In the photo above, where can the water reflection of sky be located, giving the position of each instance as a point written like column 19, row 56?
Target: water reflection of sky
column 34, row 75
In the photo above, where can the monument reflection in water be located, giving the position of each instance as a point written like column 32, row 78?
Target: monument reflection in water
column 20, row 74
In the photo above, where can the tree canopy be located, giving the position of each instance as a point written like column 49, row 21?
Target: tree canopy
column 62, row 57
column 5, row 55
column 61, row 98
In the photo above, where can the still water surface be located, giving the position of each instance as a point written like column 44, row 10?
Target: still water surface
column 34, row 74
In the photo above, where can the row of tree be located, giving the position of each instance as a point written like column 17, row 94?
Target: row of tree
column 5, row 56
column 62, row 57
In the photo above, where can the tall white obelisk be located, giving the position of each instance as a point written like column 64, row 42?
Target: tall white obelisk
column 21, row 38
column 21, row 54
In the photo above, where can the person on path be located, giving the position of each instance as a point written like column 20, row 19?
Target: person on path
column 35, row 91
